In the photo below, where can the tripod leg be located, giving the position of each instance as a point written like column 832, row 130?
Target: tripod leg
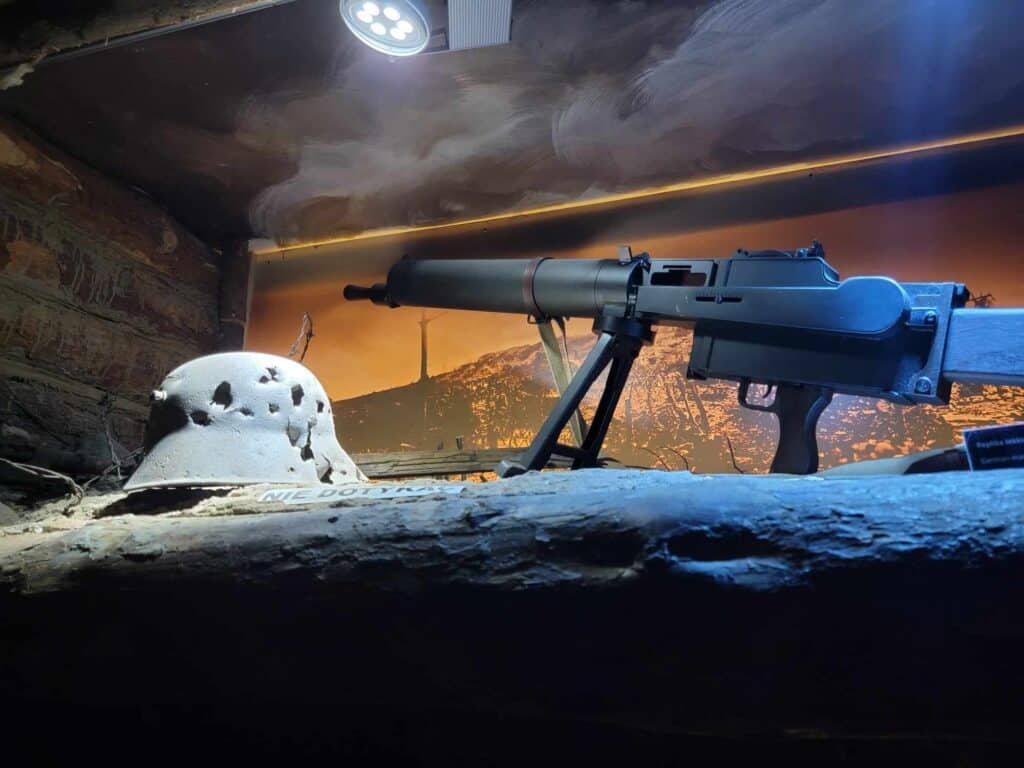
column 537, row 455
column 617, row 377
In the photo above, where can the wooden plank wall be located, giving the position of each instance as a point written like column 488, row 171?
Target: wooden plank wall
column 101, row 294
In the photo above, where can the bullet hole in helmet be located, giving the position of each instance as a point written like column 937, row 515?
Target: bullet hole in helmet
column 202, row 418
column 222, row 395
column 273, row 407
column 167, row 415
column 307, row 450
column 297, row 394
column 246, row 411
column 319, row 406
column 272, row 375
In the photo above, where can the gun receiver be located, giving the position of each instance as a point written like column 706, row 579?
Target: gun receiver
column 781, row 319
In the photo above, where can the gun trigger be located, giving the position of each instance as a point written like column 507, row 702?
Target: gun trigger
column 742, row 394
column 744, row 397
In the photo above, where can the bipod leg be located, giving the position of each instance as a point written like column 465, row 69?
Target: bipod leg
column 546, row 440
column 625, row 353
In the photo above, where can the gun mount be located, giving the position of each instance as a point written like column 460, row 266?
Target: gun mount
column 781, row 319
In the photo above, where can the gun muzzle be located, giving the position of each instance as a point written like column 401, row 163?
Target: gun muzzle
column 377, row 293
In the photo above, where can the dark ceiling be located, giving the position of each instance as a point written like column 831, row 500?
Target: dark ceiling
column 280, row 124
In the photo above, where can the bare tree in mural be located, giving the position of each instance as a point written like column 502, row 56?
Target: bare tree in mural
column 301, row 345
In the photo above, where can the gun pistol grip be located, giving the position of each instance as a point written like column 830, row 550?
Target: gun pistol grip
column 798, row 408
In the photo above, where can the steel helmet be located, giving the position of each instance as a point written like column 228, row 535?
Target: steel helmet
column 238, row 418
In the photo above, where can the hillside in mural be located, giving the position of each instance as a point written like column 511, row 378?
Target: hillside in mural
column 663, row 419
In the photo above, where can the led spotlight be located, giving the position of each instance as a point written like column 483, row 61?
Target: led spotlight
column 407, row 34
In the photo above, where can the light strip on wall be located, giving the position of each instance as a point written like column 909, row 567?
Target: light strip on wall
column 689, row 185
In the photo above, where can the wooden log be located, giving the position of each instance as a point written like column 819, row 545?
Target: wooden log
column 880, row 608
column 59, row 337
column 101, row 294
column 63, row 198
column 44, row 419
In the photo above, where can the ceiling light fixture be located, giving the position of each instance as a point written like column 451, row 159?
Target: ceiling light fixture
column 394, row 27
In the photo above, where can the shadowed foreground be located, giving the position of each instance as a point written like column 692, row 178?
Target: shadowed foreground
column 605, row 616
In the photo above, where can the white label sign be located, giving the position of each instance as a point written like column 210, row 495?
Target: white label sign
column 322, row 494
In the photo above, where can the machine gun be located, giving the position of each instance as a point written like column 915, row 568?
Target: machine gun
column 781, row 319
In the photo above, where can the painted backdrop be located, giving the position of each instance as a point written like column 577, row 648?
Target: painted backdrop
column 950, row 216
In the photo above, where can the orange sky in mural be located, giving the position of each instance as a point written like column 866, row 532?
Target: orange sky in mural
column 970, row 237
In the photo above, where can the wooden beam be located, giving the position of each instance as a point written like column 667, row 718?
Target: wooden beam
column 235, row 296
column 33, row 32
